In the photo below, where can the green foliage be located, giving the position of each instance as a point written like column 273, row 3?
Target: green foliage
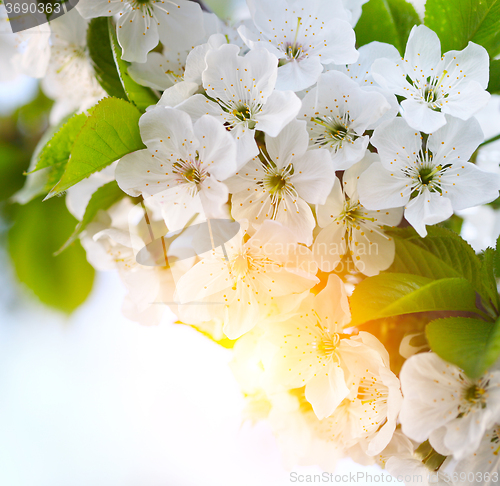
column 55, row 154
column 441, row 254
column 494, row 83
column 103, row 198
column 387, row 295
column 488, row 279
column 39, row 229
column 386, row 21
column 141, row 96
column 496, row 260
column 110, row 132
column 101, row 54
column 458, row 22
column 471, row 344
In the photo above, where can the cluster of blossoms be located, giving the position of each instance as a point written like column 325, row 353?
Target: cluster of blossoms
column 277, row 154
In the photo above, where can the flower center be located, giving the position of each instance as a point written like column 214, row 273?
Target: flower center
column 425, row 174
column 276, row 183
column 475, row 395
column 240, row 266
column 326, row 342
column 248, row 262
column 430, row 91
column 293, row 50
column 190, row 172
column 332, row 131
column 371, row 391
column 243, row 113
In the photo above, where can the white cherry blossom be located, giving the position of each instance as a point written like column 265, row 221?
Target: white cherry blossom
column 338, row 112
column 367, row 416
column 433, row 86
column 142, row 23
column 309, row 348
column 349, row 228
column 241, row 95
column 111, row 244
column 401, row 460
column 304, row 35
column 483, row 465
column 163, row 70
column 238, row 282
column 280, row 185
column 445, row 406
column 361, row 73
column 432, row 178
column 70, row 78
column 182, row 167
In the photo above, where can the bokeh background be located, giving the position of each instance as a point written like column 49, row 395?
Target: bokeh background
column 90, row 398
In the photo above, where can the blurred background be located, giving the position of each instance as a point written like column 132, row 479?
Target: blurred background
column 90, row 398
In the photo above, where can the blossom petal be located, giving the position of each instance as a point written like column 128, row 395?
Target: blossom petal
column 397, row 144
column 90, row 9
column 155, row 72
column 431, row 392
column 422, row 117
column 427, row 208
column 313, row 176
column 179, row 93
column 180, row 24
column 334, row 204
column 330, row 246
column 296, row 215
column 217, row 150
column 372, row 251
column 333, row 312
column 466, row 185
column 457, row 139
column 380, row 189
column 292, row 142
column 279, row 110
column 297, row 75
column 168, row 132
column 135, row 37
column 326, row 390
column 473, row 60
column 423, row 51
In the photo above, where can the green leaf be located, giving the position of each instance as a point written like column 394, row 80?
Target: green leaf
column 388, row 295
column 103, row 198
column 458, row 22
column 110, row 132
column 141, row 96
column 441, row 254
column 494, row 83
column 101, row 54
column 55, row 154
column 386, row 21
column 488, row 276
column 496, row 259
column 471, row 344
column 39, row 229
